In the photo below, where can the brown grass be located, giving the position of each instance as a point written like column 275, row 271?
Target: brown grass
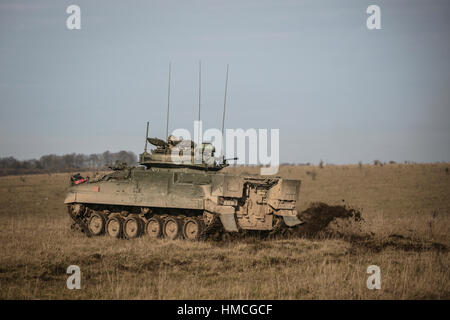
column 406, row 209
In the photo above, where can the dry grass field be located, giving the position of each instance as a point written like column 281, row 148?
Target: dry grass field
column 406, row 211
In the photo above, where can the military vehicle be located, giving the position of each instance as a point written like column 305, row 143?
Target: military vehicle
column 179, row 191
column 188, row 199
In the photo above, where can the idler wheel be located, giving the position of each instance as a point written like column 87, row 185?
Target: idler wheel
column 172, row 228
column 192, row 228
column 132, row 228
column 114, row 227
column 96, row 224
column 153, row 227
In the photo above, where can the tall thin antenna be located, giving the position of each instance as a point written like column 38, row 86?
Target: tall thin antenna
column 168, row 104
column 225, row 102
column 146, row 139
column 199, row 86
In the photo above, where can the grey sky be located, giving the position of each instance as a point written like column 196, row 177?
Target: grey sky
column 336, row 90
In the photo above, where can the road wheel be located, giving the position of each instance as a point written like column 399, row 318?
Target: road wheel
column 172, row 228
column 114, row 227
column 192, row 228
column 154, row 227
column 132, row 228
column 96, row 224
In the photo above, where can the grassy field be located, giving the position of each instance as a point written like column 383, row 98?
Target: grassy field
column 406, row 211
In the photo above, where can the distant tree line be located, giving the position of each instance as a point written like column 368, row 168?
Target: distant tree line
column 68, row 162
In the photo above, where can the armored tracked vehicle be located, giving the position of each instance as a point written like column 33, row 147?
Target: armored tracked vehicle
column 179, row 199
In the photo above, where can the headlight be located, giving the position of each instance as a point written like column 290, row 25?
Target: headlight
column 228, row 202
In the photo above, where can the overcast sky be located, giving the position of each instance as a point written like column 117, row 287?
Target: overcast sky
column 336, row 90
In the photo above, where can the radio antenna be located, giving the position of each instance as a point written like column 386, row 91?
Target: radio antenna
column 146, row 139
column 224, row 102
column 199, row 86
column 168, row 105
column 199, row 96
